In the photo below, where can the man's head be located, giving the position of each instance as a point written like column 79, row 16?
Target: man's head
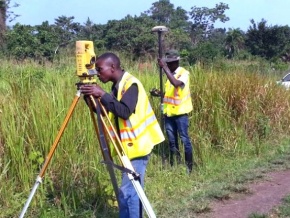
column 108, row 67
column 171, row 56
column 172, row 59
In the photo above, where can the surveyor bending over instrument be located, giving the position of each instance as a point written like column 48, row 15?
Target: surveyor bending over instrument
column 134, row 120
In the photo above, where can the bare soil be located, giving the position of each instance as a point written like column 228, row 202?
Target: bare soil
column 262, row 198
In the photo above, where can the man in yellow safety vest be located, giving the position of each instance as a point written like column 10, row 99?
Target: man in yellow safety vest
column 176, row 106
column 134, row 120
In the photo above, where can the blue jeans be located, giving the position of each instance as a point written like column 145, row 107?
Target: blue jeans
column 129, row 204
column 178, row 125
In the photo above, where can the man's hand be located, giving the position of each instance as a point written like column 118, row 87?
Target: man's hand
column 94, row 90
column 161, row 63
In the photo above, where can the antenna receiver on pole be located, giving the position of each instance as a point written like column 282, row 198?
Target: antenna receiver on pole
column 159, row 29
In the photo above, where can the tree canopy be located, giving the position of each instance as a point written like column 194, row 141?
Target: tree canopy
column 192, row 32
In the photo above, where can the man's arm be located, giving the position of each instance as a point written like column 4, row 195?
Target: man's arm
column 126, row 106
column 175, row 82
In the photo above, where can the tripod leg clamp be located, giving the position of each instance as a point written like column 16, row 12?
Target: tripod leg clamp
column 123, row 169
column 39, row 179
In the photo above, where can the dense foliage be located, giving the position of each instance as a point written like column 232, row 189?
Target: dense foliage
column 192, row 32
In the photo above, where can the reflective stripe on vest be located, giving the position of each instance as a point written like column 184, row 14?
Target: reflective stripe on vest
column 129, row 132
column 177, row 100
column 141, row 131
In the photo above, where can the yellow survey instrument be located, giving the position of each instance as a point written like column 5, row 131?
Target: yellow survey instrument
column 85, row 60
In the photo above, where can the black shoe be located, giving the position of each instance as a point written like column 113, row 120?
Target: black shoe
column 189, row 162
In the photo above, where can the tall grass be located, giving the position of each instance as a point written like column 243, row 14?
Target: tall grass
column 237, row 115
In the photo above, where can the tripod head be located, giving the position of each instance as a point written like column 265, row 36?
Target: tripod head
column 85, row 60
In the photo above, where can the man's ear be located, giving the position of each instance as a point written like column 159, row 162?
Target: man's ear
column 113, row 67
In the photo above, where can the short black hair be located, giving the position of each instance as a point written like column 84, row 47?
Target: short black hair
column 112, row 56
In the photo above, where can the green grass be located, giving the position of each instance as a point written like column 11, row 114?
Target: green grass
column 284, row 209
column 239, row 131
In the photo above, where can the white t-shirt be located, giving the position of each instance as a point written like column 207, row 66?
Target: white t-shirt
column 183, row 78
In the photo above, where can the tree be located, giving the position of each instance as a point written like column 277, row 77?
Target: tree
column 234, row 42
column 5, row 14
column 35, row 42
column 67, row 30
column 161, row 12
column 3, row 8
column 179, row 19
column 164, row 13
column 218, row 36
column 46, row 41
column 204, row 52
column 204, row 19
column 270, row 42
column 130, row 34
column 93, row 32
column 86, row 31
column 177, row 39
column 21, row 43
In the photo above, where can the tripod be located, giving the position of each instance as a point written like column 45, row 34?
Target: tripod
column 101, row 129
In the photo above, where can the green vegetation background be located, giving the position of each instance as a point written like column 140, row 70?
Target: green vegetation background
column 240, row 123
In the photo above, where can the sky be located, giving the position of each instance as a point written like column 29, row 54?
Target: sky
column 240, row 12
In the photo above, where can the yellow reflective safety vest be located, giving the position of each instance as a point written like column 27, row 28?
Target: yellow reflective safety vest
column 177, row 100
column 141, row 132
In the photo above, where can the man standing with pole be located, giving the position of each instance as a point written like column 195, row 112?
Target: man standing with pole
column 177, row 106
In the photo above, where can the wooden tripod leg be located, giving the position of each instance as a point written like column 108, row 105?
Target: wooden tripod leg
column 60, row 133
column 51, row 152
column 99, row 128
column 126, row 163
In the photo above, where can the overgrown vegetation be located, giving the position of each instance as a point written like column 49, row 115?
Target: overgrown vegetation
column 240, row 117
column 240, row 120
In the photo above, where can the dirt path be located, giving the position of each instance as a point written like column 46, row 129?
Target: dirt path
column 264, row 196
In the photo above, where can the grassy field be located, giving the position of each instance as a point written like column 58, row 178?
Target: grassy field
column 239, row 125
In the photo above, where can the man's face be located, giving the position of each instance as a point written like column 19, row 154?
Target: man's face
column 173, row 65
column 104, row 69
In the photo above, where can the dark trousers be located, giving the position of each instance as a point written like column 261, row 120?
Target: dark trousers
column 178, row 126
